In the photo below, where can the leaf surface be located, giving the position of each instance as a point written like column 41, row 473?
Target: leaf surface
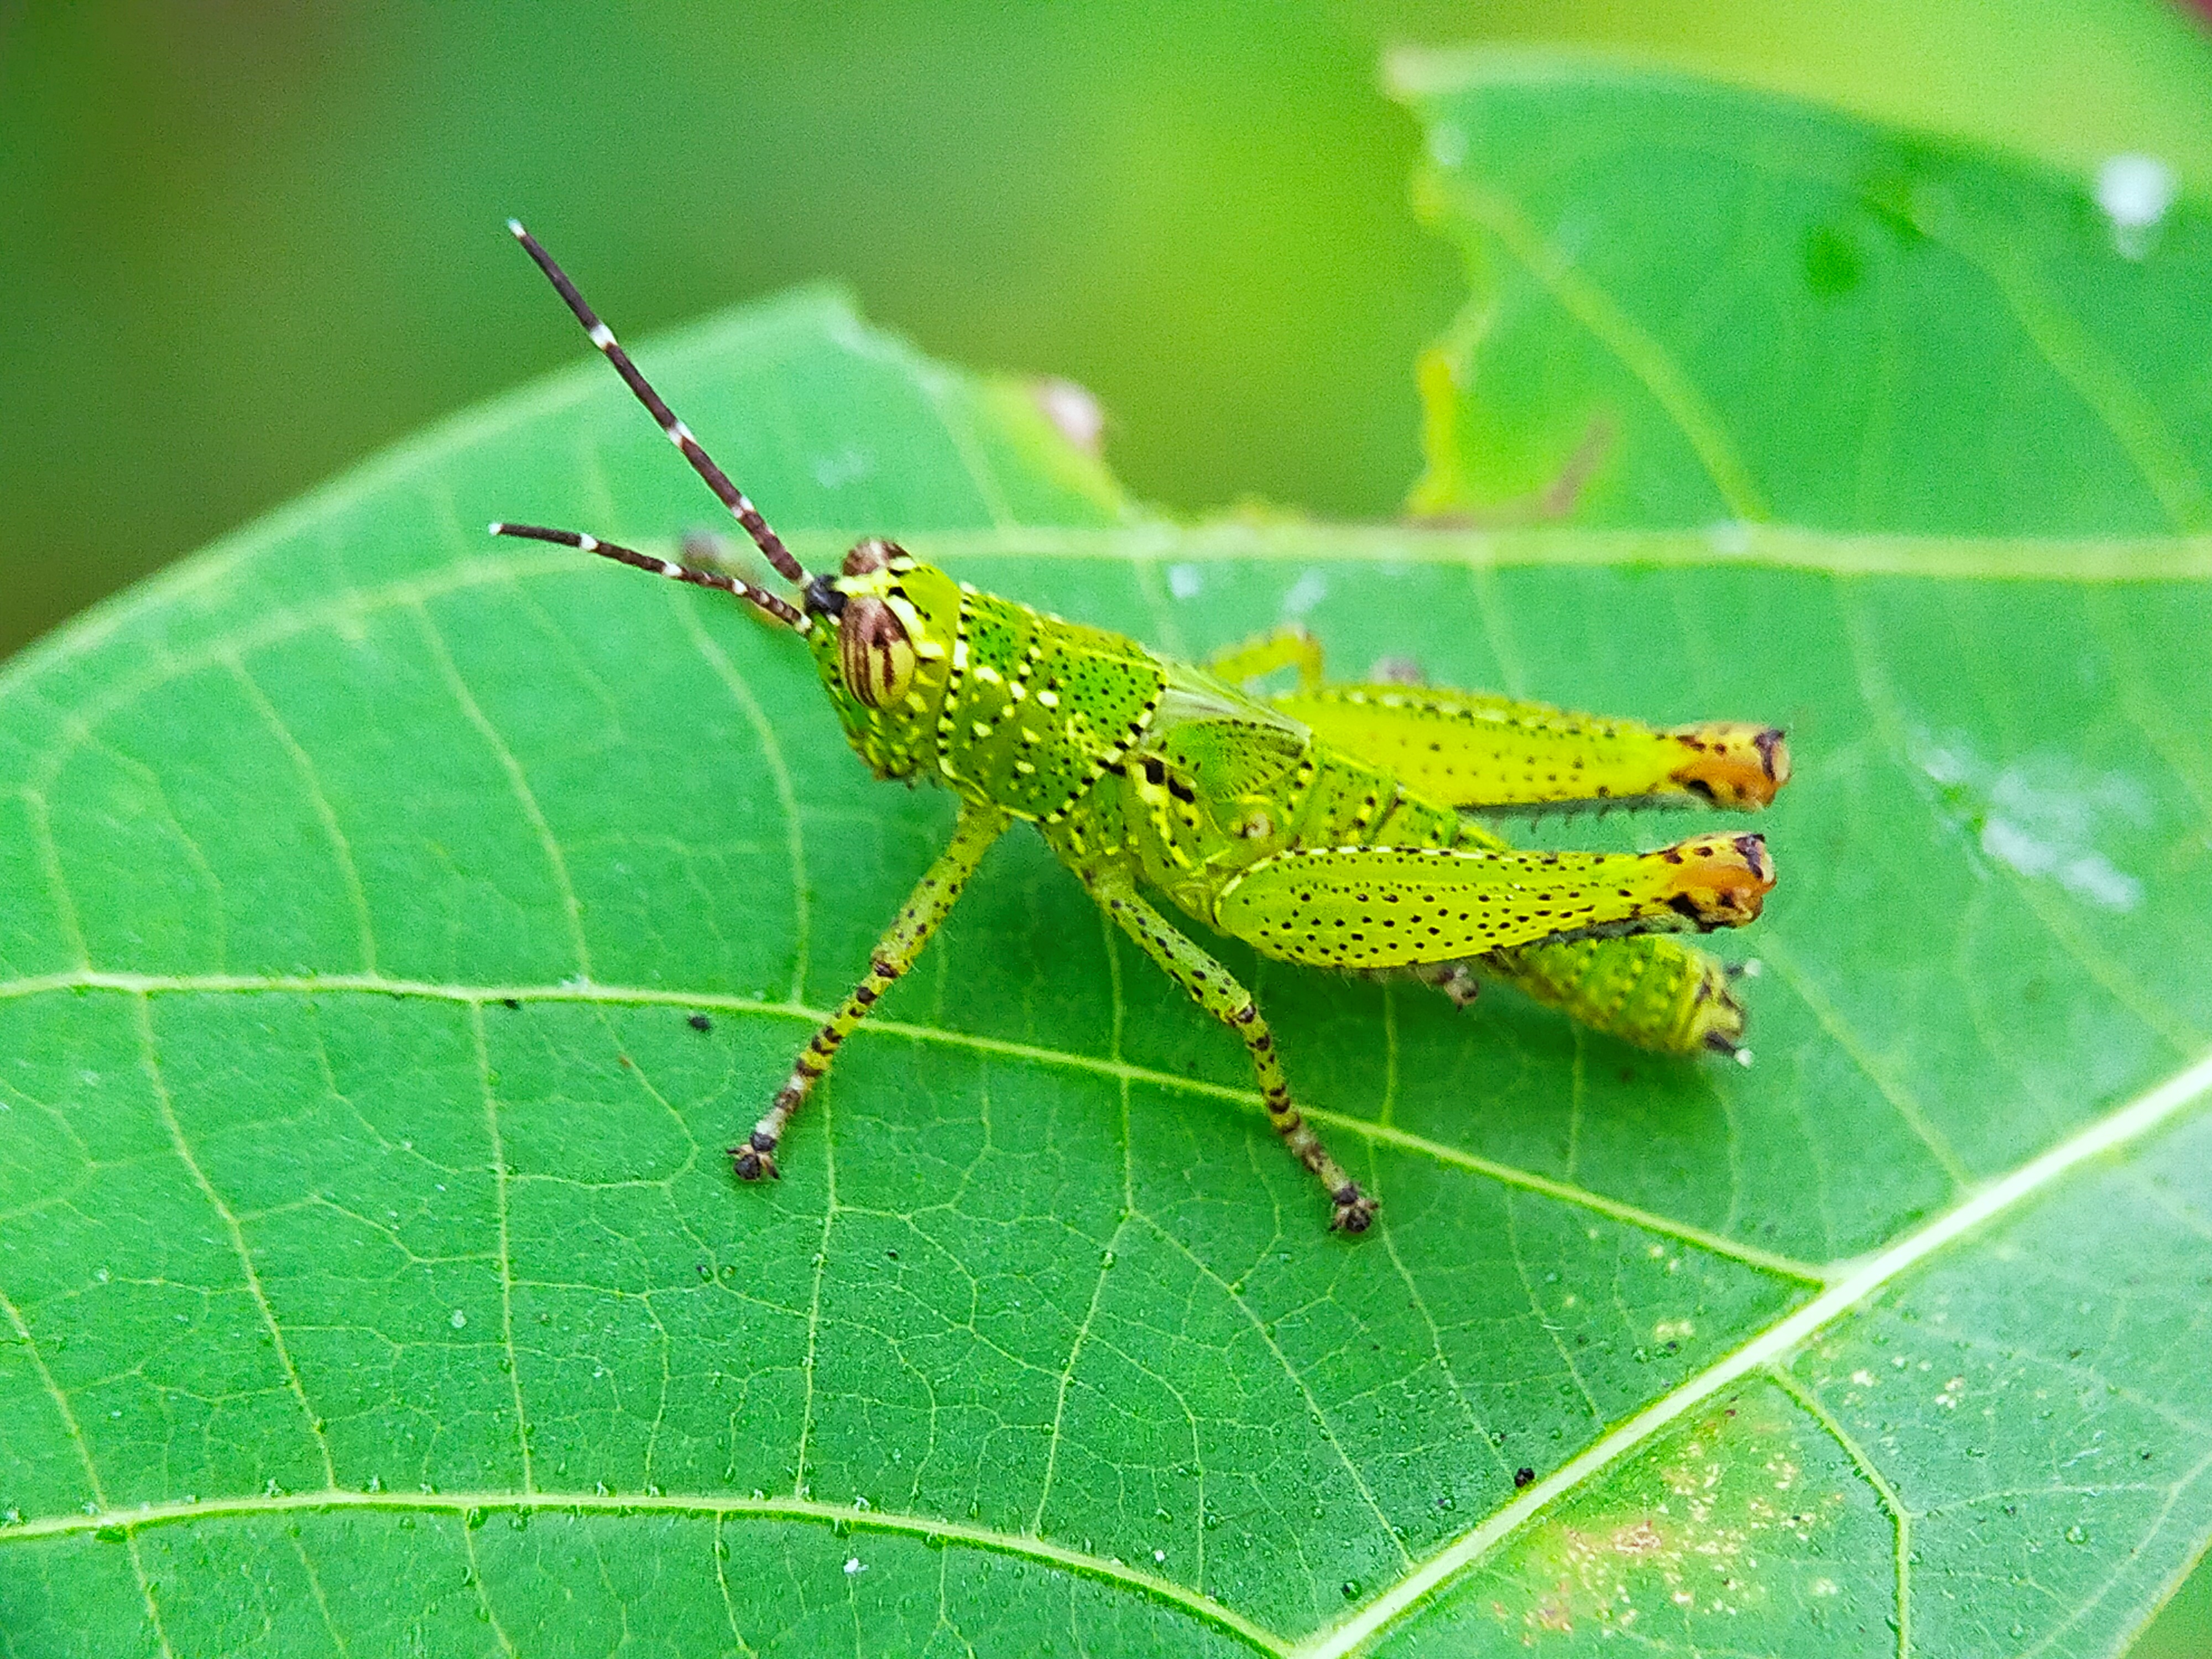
column 370, row 1279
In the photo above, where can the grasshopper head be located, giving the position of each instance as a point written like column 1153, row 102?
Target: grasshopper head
column 881, row 639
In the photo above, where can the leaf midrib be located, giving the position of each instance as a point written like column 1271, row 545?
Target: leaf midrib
column 2081, row 559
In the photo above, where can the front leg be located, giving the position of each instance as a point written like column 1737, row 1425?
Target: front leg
column 1216, row 991
column 929, row 903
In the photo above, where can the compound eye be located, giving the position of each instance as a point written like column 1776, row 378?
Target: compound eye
column 874, row 652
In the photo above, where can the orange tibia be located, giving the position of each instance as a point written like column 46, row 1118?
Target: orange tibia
column 1720, row 880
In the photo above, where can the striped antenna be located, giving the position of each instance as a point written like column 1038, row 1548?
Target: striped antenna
column 771, row 545
column 779, row 610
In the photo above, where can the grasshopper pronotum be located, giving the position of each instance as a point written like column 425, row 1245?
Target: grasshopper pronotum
column 1251, row 814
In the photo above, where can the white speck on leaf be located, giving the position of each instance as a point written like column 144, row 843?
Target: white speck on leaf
column 2091, row 876
column 457, row 1318
column 1185, row 580
column 1731, row 538
column 1073, row 411
column 2043, row 816
column 852, row 1565
column 2134, row 192
column 1309, row 590
column 842, row 468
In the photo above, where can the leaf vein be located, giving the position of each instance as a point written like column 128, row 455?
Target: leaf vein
column 165, row 1107
column 506, row 1249
column 325, row 813
column 1630, row 343
column 1845, row 1038
column 2149, row 1112
column 1267, row 1340
column 722, row 1507
column 1900, row 1519
column 312, row 985
column 779, row 772
column 525, row 798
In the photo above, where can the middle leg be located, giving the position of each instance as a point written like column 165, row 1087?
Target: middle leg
column 1216, row 991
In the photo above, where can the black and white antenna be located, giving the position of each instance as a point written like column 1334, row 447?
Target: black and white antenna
column 782, row 609
column 742, row 510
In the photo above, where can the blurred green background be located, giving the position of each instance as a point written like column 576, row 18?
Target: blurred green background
column 242, row 245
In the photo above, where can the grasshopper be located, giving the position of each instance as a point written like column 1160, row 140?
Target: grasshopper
column 1320, row 826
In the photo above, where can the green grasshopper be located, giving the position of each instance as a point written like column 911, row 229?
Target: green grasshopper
column 1320, row 825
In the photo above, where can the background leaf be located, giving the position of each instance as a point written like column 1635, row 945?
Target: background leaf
column 354, row 1308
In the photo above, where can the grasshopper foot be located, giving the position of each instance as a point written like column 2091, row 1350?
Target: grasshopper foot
column 1355, row 1211
column 1455, row 979
column 756, row 1159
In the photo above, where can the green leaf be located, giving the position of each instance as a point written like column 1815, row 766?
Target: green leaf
column 371, row 1277
column 1763, row 311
